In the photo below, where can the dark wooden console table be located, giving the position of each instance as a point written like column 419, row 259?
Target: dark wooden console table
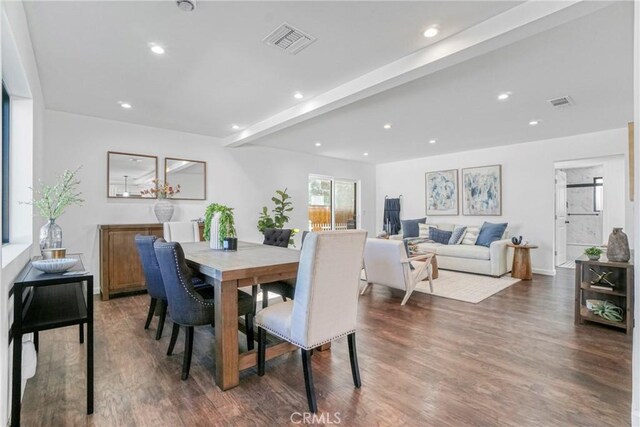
column 49, row 301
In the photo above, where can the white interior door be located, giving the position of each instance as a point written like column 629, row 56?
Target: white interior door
column 561, row 217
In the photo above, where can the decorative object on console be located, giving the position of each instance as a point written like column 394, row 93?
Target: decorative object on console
column 52, row 201
column 593, row 253
column 516, row 240
column 482, row 191
column 218, row 225
column 601, row 281
column 163, row 208
column 280, row 218
column 230, row 244
column 618, row 246
column 490, row 233
column 51, row 266
column 609, row 311
column 442, row 192
column 410, row 227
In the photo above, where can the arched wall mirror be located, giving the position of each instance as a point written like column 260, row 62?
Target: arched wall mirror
column 128, row 174
column 190, row 175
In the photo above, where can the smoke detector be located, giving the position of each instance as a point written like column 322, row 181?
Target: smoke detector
column 186, row 5
column 289, row 39
column 561, row 102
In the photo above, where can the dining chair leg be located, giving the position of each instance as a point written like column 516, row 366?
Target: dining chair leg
column 366, row 286
column 284, row 298
column 254, row 299
column 81, row 330
column 174, row 337
column 152, row 309
column 163, row 315
column 353, row 357
column 265, row 299
column 188, row 350
column 308, row 381
column 248, row 325
column 36, row 340
column 262, row 350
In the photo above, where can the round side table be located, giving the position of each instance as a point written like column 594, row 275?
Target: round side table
column 521, row 268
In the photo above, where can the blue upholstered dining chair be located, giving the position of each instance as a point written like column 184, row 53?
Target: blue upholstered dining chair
column 284, row 288
column 325, row 305
column 189, row 307
column 153, row 277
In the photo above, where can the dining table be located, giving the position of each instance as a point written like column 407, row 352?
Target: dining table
column 248, row 266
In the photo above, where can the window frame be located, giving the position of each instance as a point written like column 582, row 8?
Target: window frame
column 6, row 164
column 598, row 184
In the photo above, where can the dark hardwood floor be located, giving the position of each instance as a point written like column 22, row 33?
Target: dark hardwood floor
column 515, row 359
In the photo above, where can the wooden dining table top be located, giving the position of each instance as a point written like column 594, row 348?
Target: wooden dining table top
column 251, row 259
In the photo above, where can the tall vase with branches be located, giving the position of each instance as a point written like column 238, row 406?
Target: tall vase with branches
column 51, row 201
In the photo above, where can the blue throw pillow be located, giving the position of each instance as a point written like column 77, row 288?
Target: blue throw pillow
column 439, row 236
column 410, row 227
column 489, row 233
column 457, row 235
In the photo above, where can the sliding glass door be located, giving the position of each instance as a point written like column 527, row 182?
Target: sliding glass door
column 333, row 203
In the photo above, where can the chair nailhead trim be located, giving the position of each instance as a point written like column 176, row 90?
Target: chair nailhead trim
column 175, row 257
column 272, row 332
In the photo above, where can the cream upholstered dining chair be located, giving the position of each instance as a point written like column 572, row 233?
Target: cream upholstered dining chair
column 386, row 263
column 325, row 304
column 181, row 232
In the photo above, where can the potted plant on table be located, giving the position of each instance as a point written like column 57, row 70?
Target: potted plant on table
column 163, row 208
column 219, row 227
column 593, row 253
column 283, row 206
column 51, row 201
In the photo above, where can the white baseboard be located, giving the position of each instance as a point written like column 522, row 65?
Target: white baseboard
column 544, row 272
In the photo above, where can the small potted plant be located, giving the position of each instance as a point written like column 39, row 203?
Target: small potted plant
column 593, row 253
column 219, row 227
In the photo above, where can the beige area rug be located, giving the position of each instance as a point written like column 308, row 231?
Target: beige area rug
column 465, row 287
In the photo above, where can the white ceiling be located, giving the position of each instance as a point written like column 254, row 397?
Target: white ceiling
column 217, row 72
column 590, row 59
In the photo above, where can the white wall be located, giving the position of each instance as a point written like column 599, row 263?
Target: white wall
column 527, row 184
column 244, row 178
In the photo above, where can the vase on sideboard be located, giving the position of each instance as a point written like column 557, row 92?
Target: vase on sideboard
column 618, row 246
column 163, row 209
column 50, row 235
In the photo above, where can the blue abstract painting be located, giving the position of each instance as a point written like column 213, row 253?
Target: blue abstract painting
column 482, row 190
column 442, row 192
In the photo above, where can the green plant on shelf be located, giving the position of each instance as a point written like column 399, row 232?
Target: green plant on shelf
column 608, row 311
column 593, row 251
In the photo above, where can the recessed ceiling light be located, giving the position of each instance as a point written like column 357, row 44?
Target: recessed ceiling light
column 235, row 127
column 387, row 126
column 430, row 32
column 125, row 105
column 298, row 95
column 432, row 141
column 158, row 50
column 318, row 144
column 365, row 154
column 534, row 122
column 504, row 96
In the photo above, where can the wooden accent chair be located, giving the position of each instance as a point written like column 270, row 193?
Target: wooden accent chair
column 386, row 263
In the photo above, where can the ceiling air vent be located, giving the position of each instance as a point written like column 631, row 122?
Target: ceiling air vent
column 563, row 101
column 289, row 39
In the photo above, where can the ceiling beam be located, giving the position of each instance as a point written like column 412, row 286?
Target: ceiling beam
column 515, row 24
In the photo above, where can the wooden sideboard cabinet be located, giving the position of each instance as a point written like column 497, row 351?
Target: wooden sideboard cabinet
column 120, row 268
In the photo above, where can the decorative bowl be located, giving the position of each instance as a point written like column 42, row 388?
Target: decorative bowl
column 592, row 304
column 57, row 265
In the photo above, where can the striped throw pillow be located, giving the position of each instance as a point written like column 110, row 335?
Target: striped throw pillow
column 457, row 235
column 470, row 236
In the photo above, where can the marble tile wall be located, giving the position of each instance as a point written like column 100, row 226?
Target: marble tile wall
column 583, row 229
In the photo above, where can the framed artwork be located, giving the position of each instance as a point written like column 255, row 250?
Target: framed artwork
column 482, row 191
column 442, row 192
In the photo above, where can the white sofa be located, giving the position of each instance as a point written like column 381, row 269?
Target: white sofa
column 495, row 260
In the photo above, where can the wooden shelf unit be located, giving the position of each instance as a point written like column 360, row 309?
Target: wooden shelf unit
column 621, row 295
